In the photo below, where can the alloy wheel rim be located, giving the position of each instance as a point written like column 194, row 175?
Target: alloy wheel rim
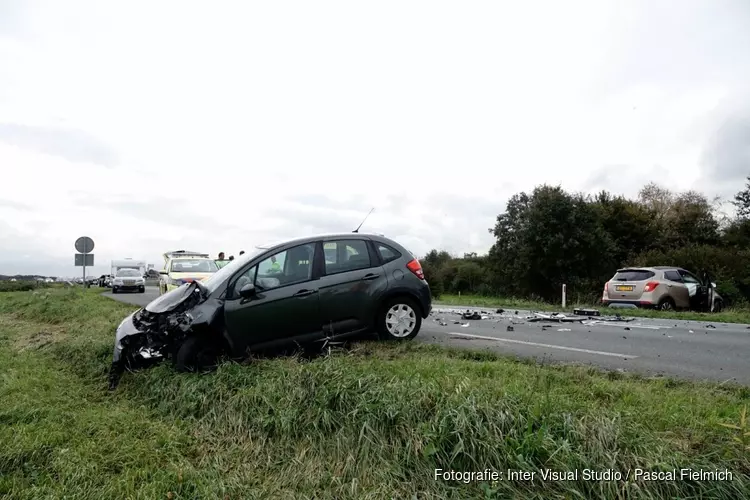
column 400, row 320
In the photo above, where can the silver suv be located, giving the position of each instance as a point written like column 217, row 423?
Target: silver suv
column 662, row 287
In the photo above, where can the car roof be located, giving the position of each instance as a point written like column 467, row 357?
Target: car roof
column 310, row 239
column 652, row 268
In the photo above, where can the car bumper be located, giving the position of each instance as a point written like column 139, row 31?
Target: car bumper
column 130, row 287
column 636, row 303
column 425, row 300
column 132, row 350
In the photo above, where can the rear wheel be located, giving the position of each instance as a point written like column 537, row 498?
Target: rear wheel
column 399, row 319
column 197, row 354
column 718, row 306
column 666, row 304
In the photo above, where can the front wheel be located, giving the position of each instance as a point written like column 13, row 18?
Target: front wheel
column 197, row 354
column 399, row 319
column 718, row 306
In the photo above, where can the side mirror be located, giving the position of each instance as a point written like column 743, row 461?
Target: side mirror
column 248, row 291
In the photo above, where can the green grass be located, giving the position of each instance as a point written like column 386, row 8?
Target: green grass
column 374, row 421
column 726, row 316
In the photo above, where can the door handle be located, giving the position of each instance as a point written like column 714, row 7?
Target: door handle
column 370, row 277
column 304, row 293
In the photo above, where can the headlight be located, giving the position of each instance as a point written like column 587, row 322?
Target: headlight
column 118, row 282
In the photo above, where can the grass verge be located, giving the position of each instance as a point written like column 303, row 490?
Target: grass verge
column 726, row 316
column 374, row 421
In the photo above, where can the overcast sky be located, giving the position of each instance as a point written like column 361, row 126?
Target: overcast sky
column 154, row 126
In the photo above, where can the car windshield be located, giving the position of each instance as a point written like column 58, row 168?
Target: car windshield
column 193, row 266
column 229, row 269
column 128, row 273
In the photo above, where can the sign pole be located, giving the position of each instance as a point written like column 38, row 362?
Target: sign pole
column 85, row 285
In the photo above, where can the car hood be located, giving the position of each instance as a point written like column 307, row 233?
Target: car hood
column 190, row 276
column 170, row 300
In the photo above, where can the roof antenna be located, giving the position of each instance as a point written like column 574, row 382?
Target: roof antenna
column 363, row 220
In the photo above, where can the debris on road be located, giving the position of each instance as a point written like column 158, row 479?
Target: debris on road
column 471, row 315
column 500, row 311
column 442, row 323
column 710, row 326
column 465, row 325
column 557, row 317
column 510, row 328
column 586, row 312
column 563, row 329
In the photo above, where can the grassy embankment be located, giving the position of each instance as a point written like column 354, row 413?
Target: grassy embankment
column 370, row 422
column 729, row 315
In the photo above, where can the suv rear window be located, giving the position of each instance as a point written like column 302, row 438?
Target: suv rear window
column 633, row 275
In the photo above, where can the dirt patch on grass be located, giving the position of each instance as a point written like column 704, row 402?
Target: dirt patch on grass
column 26, row 335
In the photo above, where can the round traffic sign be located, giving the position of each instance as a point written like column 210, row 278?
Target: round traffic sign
column 84, row 244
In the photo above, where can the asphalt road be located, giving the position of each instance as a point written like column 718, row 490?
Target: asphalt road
column 685, row 349
column 137, row 299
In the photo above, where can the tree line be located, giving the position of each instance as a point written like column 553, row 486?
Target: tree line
column 550, row 236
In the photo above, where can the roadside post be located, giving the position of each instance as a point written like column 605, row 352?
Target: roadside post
column 563, row 295
column 84, row 257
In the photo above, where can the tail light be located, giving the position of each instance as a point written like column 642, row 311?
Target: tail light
column 606, row 287
column 650, row 286
column 415, row 267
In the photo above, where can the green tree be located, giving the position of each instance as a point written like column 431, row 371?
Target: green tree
column 742, row 201
column 551, row 238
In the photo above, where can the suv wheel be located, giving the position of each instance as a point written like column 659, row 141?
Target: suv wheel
column 197, row 354
column 399, row 319
column 666, row 304
column 718, row 306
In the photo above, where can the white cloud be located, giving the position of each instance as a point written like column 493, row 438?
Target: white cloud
column 155, row 125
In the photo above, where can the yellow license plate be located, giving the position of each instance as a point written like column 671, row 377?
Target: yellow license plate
column 624, row 288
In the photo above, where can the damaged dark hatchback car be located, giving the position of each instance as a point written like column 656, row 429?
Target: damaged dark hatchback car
column 305, row 292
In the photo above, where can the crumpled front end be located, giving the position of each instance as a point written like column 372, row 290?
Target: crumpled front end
column 145, row 338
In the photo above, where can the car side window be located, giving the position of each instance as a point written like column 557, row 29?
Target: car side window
column 345, row 255
column 689, row 278
column 286, row 268
column 245, row 278
column 387, row 254
column 673, row 276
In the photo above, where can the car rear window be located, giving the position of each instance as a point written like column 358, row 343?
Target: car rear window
column 633, row 275
column 387, row 254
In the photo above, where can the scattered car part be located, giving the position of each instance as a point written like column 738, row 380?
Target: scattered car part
column 586, row 312
column 471, row 315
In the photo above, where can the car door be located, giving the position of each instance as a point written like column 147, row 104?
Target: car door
column 698, row 292
column 286, row 306
column 351, row 285
column 677, row 288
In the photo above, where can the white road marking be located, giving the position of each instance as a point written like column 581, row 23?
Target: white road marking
column 550, row 346
column 622, row 325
